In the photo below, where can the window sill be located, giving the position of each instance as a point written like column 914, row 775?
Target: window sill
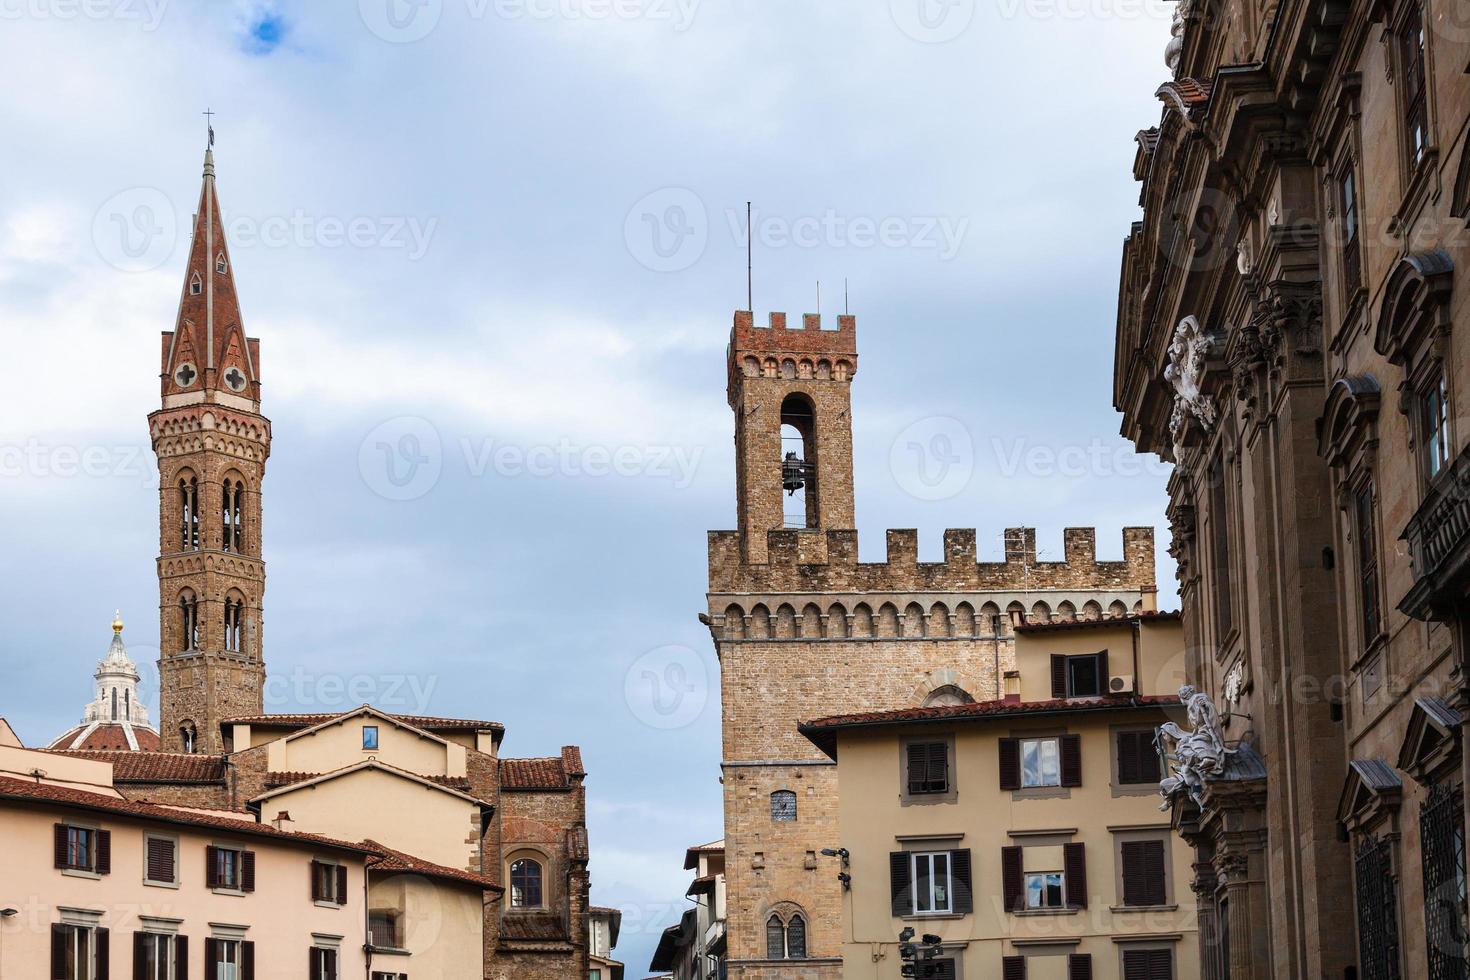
column 81, row 873
column 229, row 891
column 1039, row 912
column 390, row 951
column 323, row 904
column 149, row 883
column 1143, row 908
column 926, row 916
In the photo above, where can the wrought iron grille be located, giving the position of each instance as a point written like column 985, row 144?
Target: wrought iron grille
column 1378, row 930
column 1442, row 849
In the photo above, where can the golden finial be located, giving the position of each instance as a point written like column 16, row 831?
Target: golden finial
column 117, row 623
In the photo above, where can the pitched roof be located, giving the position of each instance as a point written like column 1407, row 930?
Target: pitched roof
column 155, row 767
column 370, row 763
column 275, row 780
column 540, row 926
column 429, row 723
column 1059, row 626
column 31, row 792
column 394, row 861
column 691, row 856
column 553, row 773
column 823, row 731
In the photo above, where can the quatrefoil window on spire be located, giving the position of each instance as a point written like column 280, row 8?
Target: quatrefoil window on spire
column 235, row 379
column 185, row 375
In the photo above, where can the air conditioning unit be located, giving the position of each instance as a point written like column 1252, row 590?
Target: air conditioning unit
column 1121, row 684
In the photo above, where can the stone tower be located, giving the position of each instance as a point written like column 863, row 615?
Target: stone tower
column 803, row 629
column 212, row 443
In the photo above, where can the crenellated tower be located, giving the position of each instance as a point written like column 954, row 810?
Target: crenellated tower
column 211, row 442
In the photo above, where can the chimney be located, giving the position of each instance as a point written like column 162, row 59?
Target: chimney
column 282, row 821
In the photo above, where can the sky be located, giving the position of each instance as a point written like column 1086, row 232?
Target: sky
column 492, row 249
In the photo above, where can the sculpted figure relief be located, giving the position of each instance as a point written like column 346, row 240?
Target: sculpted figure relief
column 1194, row 754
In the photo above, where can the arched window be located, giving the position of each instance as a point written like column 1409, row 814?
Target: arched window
column 188, row 737
column 949, row 694
column 799, row 462
column 525, row 884
column 234, row 623
column 114, row 704
column 188, row 620
column 783, row 806
column 188, row 512
column 232, row 512
column 796, row 938
column 128, row 704
column 775, row 938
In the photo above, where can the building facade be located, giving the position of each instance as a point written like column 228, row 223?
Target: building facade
column 797, row 620
column 1023, row 833
column 695, row 947
column 1292, row 335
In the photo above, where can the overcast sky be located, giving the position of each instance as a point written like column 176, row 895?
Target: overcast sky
column 492, row 249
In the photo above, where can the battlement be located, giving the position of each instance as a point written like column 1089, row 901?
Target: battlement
column 775, row 337
column 825, row 562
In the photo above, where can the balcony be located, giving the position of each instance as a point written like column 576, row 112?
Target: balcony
column 1439, row 544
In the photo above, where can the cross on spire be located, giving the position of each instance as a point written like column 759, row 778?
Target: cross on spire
column 209, row 122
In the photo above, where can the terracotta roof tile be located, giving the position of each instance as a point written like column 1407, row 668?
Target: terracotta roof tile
column 391, row 860
column 278, row 779
column 1057, row 626
column 110, row 737
column 523, row 774
column 540, row 926
column 156, row 767
column 26, row 791
column 571, row 760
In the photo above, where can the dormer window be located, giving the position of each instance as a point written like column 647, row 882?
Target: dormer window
column 196, row 285
column 219, row 263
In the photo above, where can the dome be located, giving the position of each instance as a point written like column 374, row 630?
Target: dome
column 115, row 719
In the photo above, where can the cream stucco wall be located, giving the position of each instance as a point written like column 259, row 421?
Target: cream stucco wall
column 1152, row 651
column 59, row 770
column 442, row 926
column 985, row 819
column 422, row 820
column 339, row 744
column 279, row 913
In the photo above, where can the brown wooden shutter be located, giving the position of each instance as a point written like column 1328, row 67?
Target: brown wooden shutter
column 59, row 936
column 939, row 767
column 1013, row 968
column 1074, row 866
column 247, row 871
column 1143, row 873
column 1148, row 759
column 211, row 873
column 1102, row 673
column 1013, row 883
column 104, row 852
column 898, row 883
column 181, row 958
column 140, row 956
column 316, row 881
column 211, row 957
column 1129, row 770
column 1079, row 966
column 247, row 961
column 1058, row 676
column 313, row 962
column 104, row 954
column 331, row 971
column 916, row 767
column 962, row 886
column 161, row 854
column 341, row 884
column 1010, row 763
column 59, row 840
column 1071, row 752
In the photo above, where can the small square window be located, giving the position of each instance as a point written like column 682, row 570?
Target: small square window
column 1041, row 762
column 370, row 736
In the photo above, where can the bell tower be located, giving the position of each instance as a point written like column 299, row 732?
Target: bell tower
column 790, row 390
column 211, row 442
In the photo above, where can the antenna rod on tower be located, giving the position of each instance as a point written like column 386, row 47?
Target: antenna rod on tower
column 819, row 297
column 749, row 289
column 845, row 308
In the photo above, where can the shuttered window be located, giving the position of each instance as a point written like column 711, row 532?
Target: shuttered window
column 229, row 868
column 931, row 882
column 229, row 959
column 1138, row 760
column 161, row 856
column 322, row 963
column 1148, row 964
column 1013, row 968
column 82, row 849
column 1083, row 676
column 928, row 767
column 1144, row 881
column 328, row 882
column 1079, row 966
column 160, row 957
column 79, row 952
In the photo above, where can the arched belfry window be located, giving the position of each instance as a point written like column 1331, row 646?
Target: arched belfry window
column 799, row 462
column 188, row 620
column 775, row 938
column 189, row 523
column 796, row 938
column 234, row 623
column 786, row 934
column 188, row 737
column 114, row 704
column 232, row 514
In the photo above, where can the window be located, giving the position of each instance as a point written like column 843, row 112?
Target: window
column 229, row 869
column 188, row 621
column 1378, row 931
column 229, row 959
column 1367, row 549
column 525, row 884
column 328, row 882
column 1220, row 553
column 1040, row 762
column 84, row 849
column 1442, row 853
column 188, row 512
column 1148, row 964
column 1044, row 890
column 1138, row 760
column 931, row 878
column 370, row 737
column 1416, row 115
column 783, row 806
column 786, row 940
column 1352, row 259
column 234, row 623
column 195, row 285
column 157, row 956
column 323, row 963
column 383, row 929
column 160, row 860
column 1434, row 426
column 1144, row 879
column 928, row 767
column 219, row 263
column 78, row 952
column 1080, row 676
